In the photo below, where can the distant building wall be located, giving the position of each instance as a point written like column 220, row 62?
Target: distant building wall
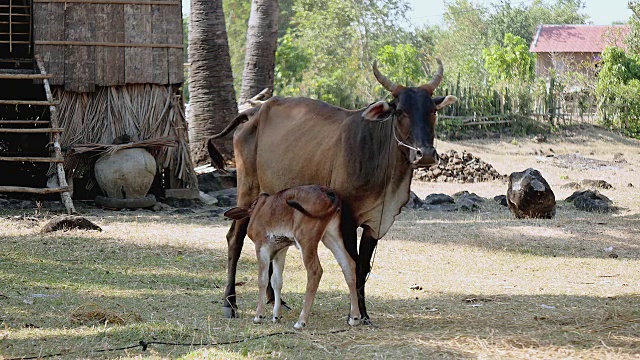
column 564, row 62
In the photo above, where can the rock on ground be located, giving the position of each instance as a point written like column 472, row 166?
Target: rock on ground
column 530, row 196
column 462, row 168
column 70, row 222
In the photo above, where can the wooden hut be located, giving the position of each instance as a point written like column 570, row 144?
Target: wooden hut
column 114, row 67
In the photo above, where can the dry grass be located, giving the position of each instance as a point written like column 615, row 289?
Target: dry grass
column 489, row 286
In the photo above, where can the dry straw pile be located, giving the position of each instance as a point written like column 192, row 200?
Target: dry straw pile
column 144, row 112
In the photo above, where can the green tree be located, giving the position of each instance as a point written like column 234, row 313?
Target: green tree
column 336, row 40
column 619, row 85
column 401, row 64
column 460, row 47
column 633, row 40
column 510, row 19
column 558, row 12
column 510, row 62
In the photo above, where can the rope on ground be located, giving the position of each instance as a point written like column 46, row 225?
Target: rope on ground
column 145, row 345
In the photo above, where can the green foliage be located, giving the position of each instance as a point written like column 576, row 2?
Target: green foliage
column 618, row 90
column 508, row 19
column 558, row 12
column 633, row 40
column 460, row 48
column 509, row 62
column 327, row 50
column 236, row 14
column 291, row 62
column 401, row 65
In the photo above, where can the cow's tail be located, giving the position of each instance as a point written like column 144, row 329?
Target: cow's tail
column 335, row 206
column 242, row 117
column 217, row 160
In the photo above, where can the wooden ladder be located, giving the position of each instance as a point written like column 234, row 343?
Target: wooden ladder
column 54, row 129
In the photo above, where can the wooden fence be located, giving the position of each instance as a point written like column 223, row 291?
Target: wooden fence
column 546, row 104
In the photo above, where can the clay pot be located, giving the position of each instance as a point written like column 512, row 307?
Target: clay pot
column 126, row 175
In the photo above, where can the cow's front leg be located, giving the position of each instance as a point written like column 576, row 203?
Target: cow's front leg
column 235, row 240
column 367, row 246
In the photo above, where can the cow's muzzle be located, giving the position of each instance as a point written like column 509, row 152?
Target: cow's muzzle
column 424, row 156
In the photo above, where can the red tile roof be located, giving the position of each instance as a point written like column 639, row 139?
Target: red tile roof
column 578, row 38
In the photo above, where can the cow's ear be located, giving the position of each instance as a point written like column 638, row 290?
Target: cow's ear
column 377, row 111
column 443, row 101
column 237, row 213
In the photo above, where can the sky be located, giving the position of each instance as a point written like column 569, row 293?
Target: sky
column 601, row 12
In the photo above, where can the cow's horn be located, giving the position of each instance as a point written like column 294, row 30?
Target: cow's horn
column 386, row 83
column 437, row 78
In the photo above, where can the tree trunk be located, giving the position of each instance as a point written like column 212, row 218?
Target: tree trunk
column 212, row 101
column 260, row 58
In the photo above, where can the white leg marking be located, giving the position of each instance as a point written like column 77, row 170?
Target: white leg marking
column 276, row 282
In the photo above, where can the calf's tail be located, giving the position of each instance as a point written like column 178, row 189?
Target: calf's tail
column 335, row 206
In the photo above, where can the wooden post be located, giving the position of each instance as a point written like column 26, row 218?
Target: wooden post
column 62, row 179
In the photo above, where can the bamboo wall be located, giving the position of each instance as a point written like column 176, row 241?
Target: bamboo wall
column 89, row 43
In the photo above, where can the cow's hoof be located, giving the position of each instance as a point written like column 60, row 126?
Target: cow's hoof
column 258, row 319
column 354, row 321
column 299, row 325
column 229, row 312
column 366, row 321
column 276, row 319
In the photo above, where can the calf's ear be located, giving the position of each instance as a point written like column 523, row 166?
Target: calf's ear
column 377, row 111
column 237, row 213
column 443, row 101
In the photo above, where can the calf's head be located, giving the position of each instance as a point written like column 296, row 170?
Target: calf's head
column 415, row 111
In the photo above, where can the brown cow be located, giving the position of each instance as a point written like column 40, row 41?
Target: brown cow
column 366, row 155
column 303, row 216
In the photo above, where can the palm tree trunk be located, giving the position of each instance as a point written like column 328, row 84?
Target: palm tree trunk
column 260, row 58
column 212, row 101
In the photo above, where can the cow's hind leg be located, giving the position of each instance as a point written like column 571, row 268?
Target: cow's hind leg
column 235, row 240
column 367, row 246
column 334, row 242
column 276, row 282
column 314, row 274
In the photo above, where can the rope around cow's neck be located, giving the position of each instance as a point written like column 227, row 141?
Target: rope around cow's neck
column 394, row 117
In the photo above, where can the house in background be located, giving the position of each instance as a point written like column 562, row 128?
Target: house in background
column 566, row 48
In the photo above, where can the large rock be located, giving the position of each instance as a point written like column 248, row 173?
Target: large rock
column 530, row 196
column 467, row 201
column 126, row 174
column 591, row 200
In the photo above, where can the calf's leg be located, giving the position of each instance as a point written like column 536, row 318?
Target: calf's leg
column 235, row 240
column 276, row 282
column 314, row 273
column 264, row 258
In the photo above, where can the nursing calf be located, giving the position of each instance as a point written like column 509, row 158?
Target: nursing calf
column 301, row 216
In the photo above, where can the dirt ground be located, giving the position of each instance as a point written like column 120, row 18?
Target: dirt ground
column 444, row 284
